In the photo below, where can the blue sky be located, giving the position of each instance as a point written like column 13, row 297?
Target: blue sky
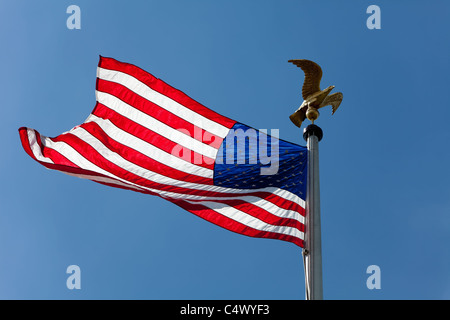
column 384, row 159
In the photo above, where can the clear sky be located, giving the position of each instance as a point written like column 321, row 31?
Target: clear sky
column 384, row 158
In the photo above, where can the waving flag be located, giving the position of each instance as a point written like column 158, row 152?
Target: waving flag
column 146, row 136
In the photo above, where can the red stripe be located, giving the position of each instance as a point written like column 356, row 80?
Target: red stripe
column 56, row 157
column 23, row 132
column 157, row 112
column 165, row 89
column 91, row 154
column 263, row 215
column 140, row 159
column 123, row 187
column 244, row 206
column 95, row 157
column 197, row 209
column 68, row 167
column 54, row 166
column 232, row 225
column 50, row 153
column 152, row 137
column 285, row 204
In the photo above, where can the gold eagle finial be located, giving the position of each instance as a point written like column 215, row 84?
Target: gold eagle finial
column 314, row 98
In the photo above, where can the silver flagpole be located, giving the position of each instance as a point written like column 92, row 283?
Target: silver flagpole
column 312, row 253
column 314, row 99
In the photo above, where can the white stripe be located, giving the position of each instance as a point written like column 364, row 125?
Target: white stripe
column 75, row 157
column 287, row 195
column 231, row 213
column 163, row 101
column 249, row 220
column 157, row 154
column 223, row 209
column 161, row 179
column 34, row 146
column 155, row 125
column 32, row 138
column 273, row 208
column 235, row 214
column 72, row 155
column 102, row 179
column 136, row 144
column 187, row 114
column 148, row 149
column 128, row 166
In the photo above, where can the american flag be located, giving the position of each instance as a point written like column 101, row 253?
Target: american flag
column 144, row 135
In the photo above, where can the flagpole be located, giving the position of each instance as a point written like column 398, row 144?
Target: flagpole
column 312, row 253
column 314, row 99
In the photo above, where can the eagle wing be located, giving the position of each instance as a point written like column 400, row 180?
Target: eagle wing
column 334, row 100
column 313, row 75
